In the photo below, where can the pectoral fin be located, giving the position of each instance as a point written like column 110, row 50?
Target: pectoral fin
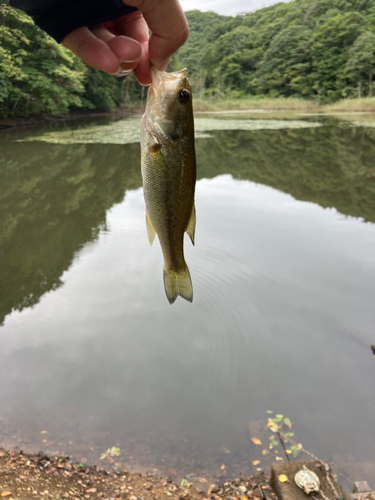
column 191, row 225
column 150, row 230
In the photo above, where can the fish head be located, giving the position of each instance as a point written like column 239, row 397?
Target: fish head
column 169, row 110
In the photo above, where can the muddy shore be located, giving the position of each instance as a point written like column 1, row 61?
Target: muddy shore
column 45, row 119
column 26, row 476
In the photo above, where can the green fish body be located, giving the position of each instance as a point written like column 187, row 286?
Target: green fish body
column 169, row 174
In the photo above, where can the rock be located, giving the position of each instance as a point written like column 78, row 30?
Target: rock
column 361, row 487
column 282, row 480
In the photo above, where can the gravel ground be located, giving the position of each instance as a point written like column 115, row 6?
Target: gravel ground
column 24, row 477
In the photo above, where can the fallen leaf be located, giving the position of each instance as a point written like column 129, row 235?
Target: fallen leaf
column 44, row 432
column 288, row 451
column 222, row 467
column 256, row 441
column 288, row 422
column 256, row 462
column 279, row 458
column 269, row 411
column 6, row 493
column 282, row 478
column 202, row 480
column 258, row 469
column 211, row 488
column 115, row 452
column 265, row 452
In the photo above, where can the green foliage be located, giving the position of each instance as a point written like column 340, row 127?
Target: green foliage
column 37, row 75
column 296, row 49
column 287, row 75
column 329, row 53
column 317, row 49
column 362, row 58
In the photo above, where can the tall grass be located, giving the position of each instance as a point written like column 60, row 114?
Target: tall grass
column 362, row 104
column 281, row 103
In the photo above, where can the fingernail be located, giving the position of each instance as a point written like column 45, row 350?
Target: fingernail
column 125, row 61
column 122, row 72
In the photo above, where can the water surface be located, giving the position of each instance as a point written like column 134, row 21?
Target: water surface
column 284, row 286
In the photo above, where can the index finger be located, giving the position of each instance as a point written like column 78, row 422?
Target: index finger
column 168, row 25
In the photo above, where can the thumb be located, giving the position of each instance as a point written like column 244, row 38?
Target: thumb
column 169, row 27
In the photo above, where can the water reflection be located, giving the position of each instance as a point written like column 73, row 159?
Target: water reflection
column 283, row 313
column 52, row 202
column 54, row 197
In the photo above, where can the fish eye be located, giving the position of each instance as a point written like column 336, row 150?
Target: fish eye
column 183, row 96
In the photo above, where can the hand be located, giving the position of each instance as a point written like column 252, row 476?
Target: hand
column 120, row 46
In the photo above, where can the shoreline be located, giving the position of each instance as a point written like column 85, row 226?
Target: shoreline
column 46, row 119
column 345, row 106
column 25, row 476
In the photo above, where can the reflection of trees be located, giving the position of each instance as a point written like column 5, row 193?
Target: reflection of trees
column 330, row 166
column 53, row 197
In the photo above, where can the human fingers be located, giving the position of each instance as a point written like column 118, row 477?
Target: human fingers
column 135, row 27
column 127, row 50
column 101, row 50
column 168, row 25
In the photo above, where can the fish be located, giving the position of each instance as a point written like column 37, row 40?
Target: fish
column 168, row 167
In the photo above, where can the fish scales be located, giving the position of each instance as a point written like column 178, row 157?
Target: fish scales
column 169, row 174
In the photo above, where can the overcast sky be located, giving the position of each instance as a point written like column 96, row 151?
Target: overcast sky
column 226, row 7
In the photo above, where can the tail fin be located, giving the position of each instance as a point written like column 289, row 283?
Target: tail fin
column 178, row 283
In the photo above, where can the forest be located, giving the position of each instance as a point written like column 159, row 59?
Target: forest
column 321, row 50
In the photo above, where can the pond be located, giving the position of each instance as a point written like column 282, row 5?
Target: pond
column 93, row 356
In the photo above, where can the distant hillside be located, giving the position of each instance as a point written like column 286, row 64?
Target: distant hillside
column 317, row 49
column 322, row 49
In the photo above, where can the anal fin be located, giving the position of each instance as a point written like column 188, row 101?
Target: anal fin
column 191, row 225
column 150, row 230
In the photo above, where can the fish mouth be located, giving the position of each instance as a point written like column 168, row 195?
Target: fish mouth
column 168, row 81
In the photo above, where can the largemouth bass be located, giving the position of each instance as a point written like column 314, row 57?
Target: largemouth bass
column 169, row 174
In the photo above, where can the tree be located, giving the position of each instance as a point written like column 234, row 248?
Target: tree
column 329, row 51
column 287, row 63
column 362, row 59
column 36, row 73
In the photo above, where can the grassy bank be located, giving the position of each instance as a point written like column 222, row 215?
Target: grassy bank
column 366, row 104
